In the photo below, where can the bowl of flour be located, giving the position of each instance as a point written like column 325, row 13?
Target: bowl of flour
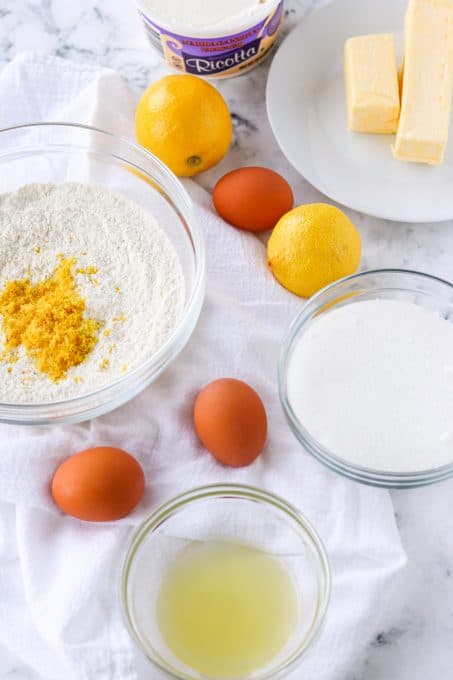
column 101, row 272
column 366, row 378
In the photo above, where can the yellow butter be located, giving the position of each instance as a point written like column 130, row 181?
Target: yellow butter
column 427, row 82
column 371, row 82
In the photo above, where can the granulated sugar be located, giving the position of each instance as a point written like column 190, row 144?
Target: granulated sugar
column 132, row 281
column 373, row 383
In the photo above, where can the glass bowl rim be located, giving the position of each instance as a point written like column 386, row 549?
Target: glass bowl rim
column 369, row 476
column 11, row 412
column 237, row 492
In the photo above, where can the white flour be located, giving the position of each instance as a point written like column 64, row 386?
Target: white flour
column 137, row 291
column 373, row 382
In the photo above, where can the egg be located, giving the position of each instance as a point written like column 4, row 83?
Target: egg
column 252, row 198
column 230, row 421
column 99, row 484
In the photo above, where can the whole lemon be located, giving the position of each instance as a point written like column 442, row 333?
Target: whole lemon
column 312, row 246
column 185, row 122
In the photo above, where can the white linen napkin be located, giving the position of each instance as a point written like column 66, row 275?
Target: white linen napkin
column 59, row 609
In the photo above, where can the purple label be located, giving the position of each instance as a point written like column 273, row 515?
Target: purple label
column 204, row 56
column 214, row 63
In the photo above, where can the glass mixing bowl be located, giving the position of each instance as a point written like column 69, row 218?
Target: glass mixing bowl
column 59, row 152
column 390, row 284
column 217, row 513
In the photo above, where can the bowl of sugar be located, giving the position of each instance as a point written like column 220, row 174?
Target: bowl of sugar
column 366, row 378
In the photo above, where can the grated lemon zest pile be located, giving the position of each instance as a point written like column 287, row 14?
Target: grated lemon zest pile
column 47, row 319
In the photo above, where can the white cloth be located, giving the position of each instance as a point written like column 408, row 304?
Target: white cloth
column 59, row 610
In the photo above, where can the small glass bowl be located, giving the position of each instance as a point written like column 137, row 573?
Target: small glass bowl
column 231, row 513
column 390, row 284
column 59, row 152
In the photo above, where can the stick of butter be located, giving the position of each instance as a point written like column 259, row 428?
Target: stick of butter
column 371, row 80
column 427, row 82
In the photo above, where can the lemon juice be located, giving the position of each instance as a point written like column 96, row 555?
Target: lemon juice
column 226, row 610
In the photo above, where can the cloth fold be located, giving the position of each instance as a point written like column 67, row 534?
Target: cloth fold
column 59, row 602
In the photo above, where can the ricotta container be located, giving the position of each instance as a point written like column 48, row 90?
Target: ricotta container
column 212, row 38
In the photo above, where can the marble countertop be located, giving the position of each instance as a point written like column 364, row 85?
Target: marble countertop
column 415, row 641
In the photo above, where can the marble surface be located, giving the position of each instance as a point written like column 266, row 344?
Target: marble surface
column 415, row 640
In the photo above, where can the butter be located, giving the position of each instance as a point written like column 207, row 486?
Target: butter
column 371, row 81
column 427, row 82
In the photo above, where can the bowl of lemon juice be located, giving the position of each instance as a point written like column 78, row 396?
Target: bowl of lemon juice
column 224, row 581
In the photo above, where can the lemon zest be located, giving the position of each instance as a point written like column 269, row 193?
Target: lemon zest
column 47, row 319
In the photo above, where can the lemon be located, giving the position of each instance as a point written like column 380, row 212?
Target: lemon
column 312, row 246
column 185, row 122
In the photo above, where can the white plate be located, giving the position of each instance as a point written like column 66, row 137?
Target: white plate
column 307, row 111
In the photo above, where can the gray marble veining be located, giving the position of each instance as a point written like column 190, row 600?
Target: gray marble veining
column 415, row 640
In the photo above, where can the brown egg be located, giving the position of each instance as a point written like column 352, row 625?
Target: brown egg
column 99, row 484
column 252, row 198
column 230, row 421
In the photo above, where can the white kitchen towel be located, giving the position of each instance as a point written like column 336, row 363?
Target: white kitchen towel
column 59, row 609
